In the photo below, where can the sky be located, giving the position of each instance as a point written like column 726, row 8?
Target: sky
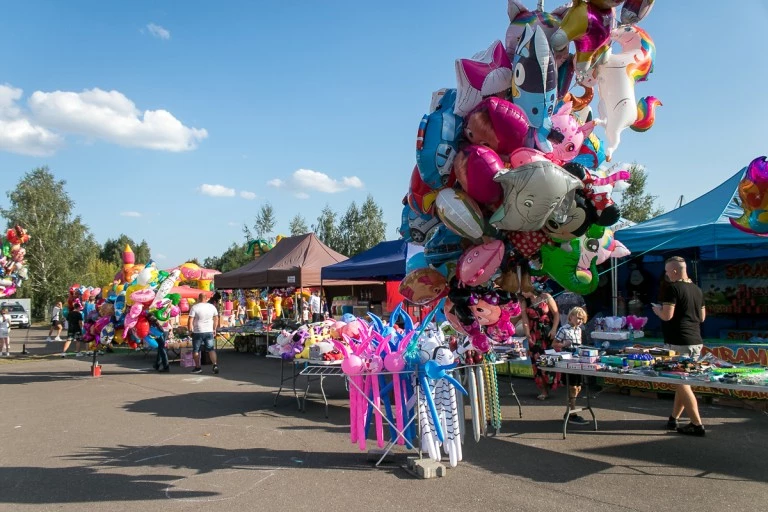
column 174, row 122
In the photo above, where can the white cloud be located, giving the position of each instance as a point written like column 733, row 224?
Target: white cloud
column 276, row 182
column 130, row 214
column 307, row 179
column 20, row 135
column 158, row 31
column 301, row 195
column 160, row 257
column 111, row 116
column 216, row 190
column 247, row 195
column 230, row 223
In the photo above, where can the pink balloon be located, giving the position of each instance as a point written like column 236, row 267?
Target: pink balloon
column 475, row 168
column 478, row 264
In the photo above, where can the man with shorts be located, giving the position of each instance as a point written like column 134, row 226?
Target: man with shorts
column 74, row 329
column 682, row 312
column 203, row 324
column 57, row 322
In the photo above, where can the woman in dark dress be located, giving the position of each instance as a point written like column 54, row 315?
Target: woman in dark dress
column 541, row 320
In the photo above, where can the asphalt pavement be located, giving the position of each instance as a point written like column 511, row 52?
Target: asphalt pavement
column 135, row 439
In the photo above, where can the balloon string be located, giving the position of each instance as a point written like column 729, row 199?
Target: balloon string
column 628, row 260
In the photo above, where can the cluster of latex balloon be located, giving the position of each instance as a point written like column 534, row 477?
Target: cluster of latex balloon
column 511, row 180
column 12, row 268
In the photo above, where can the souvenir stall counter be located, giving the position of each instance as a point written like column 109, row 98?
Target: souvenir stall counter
column 656, row 368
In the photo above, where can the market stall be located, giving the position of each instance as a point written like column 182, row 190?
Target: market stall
column 294, row 262
column 729, row 265
column 386, row 262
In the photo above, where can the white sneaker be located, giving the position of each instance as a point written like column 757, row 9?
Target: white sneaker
column 57, row 338
column 80, row 354
column 48, row 339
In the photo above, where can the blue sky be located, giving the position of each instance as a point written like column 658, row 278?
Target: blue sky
column 148, row 108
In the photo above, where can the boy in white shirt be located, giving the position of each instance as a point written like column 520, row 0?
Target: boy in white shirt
column 569, row 337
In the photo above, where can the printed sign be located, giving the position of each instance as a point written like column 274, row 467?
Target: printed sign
column 291, row 279
column 736, row 288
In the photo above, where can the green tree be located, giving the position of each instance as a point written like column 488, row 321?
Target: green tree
column 112, row 251
column 371, row 228
column 265, row 223
column 99, row 272
column 637, row 205
column 298, row 225
column 234, row 257
column 349, row 231
column 60, row 244
column 326, row 229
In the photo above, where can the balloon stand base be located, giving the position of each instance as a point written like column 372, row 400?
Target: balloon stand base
column 96, row 370
column 377, row 454
column 425, row 468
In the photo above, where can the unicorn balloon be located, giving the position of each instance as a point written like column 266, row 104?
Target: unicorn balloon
column 616, row 78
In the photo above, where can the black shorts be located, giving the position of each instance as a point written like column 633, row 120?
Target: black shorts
column 55, row 323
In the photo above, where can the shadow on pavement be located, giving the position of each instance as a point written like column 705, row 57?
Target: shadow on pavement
column 84, row 484
column 742, row 459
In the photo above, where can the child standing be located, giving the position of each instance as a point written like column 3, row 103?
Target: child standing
column 5, row 332
column 74, row 328
column 569, row 337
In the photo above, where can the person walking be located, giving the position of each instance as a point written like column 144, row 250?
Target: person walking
column 5, row 333
column 682, row 312
column 203, row 324
column 160, row 336
column 57, row 322
column 74, row 328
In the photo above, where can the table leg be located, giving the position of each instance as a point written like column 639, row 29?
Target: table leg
column 282, row 380
column 567, row 406
column 325, row 399
column 569, row 411
column 295, row 377
column 589, row 404
column 514, row 395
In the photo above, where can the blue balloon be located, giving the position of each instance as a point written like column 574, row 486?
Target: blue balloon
column 438, row 141
column 418, row 260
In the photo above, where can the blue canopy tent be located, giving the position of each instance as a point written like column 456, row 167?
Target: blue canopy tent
column 385, row 262
column 701, row 224
column 701, row 232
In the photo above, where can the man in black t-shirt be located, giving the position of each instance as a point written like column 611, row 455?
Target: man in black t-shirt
column 682, row 312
